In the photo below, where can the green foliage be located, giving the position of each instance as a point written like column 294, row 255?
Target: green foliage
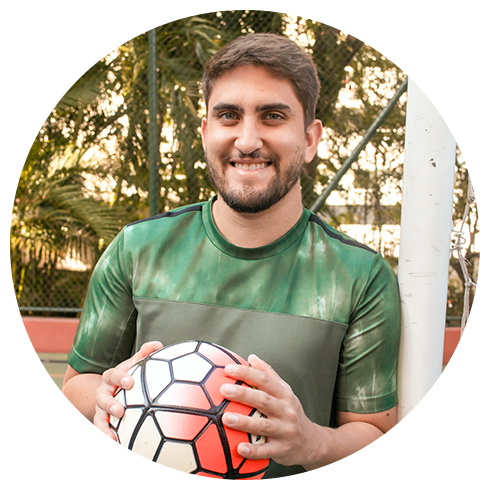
column 55, row 215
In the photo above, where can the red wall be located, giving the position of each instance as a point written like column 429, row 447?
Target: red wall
column 477, row 351
column 56, row 335
column 47, row 334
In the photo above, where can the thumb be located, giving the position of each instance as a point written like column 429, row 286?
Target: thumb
column 145, row 350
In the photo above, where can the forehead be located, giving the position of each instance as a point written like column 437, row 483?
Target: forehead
column 254, row 85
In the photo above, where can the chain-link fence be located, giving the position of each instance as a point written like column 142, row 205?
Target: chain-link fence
column 89, row 170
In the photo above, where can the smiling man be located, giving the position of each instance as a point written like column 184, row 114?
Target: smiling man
column 256, row 145
column 253, row 270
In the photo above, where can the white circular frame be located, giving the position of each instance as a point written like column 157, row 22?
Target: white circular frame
column 5, row 227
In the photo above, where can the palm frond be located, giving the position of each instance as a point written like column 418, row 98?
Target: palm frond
column 59, row 218
column 81, row 95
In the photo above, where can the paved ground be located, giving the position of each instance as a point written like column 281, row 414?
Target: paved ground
column 49, row 453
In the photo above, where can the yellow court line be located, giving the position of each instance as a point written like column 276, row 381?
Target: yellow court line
column 7, row 373
column 364, row 485
column 38, row 437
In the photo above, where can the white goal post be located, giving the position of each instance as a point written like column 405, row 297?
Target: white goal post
column 425, row 247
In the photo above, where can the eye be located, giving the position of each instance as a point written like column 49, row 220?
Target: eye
column 274, row 116
column 228, row 116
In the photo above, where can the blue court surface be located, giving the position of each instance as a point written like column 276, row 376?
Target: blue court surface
column 48, row 452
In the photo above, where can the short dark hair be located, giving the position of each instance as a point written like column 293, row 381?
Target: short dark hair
column 280, row 55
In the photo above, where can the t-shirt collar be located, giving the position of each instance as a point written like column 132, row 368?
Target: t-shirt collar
column 269, row 250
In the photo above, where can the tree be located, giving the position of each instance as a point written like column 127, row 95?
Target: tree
column 333, row 52
column 100, row 130
column 55, row 215
column 86, row 173
column 184, row 47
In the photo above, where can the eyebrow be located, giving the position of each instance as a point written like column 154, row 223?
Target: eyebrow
column 276, row 106
column 227, row 107
column 279, row 106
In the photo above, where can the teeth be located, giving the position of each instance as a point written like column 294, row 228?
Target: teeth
column 251, row 166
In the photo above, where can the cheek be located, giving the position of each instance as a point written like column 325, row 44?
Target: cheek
column 216, row 142
column 294, row 144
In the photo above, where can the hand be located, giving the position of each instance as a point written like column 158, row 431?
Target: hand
column 291, row 437
column 112, row 380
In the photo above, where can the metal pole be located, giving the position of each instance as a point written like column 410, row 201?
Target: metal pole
column 365, row 140
column 425, row 247
column 153, row 150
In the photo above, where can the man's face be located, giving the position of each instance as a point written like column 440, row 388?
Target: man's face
column 254, row 138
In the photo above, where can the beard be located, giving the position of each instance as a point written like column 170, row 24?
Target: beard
column 247, row 199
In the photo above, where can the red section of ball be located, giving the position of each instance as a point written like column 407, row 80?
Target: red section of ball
column 185, row 395
column 234, row 436
column 210, row 451
column 213, row 385
column 180, row 425
column 218, row 356
column 254, row 465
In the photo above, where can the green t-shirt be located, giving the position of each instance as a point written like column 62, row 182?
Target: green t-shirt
column 320, row 308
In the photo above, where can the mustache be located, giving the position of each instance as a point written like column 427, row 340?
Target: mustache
column 256, row 154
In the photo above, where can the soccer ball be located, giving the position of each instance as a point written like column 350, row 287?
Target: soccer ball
column 174, row 410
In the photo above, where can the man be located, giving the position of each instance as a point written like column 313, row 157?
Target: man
column 254, row 271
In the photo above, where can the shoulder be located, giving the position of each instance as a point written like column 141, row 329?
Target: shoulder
column 349, row 255
column 155, row 228
column 144, row 234
column 175, row 213
column 340, row 239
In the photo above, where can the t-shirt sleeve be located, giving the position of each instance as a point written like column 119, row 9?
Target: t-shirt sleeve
column 366, row 381
column 107, row 327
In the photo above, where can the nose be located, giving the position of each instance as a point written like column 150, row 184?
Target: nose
column 248, row 138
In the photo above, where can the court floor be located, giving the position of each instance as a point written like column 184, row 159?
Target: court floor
column 41, row 449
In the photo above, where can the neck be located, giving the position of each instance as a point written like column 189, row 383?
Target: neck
column 251, row 230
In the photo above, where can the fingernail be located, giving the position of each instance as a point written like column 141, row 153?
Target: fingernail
column 243, row 450
column 254, row 357
column 231, row 368
column 124, row 383
column 229, row 389
column 113, row 411
column 231, row 419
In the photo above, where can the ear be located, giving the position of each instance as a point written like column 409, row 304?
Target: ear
column 203, row 132
column 313, row 137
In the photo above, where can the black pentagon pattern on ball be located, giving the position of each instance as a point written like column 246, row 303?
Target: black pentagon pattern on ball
column 174, row 410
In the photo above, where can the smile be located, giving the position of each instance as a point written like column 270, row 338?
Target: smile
column 250, row 166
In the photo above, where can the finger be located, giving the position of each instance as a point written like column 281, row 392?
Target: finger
column 145, row 350
column 116, row 378
column 259, row 451
column 261, row 365
column 109, row 405
column 268, row 405
column 257, row 425
column 259, row 376
column 112, row 379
